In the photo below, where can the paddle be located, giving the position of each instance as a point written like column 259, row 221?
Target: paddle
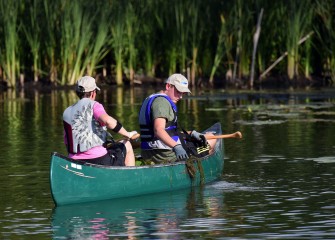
column 133, row 140
column 134, row 137
column 237, row 134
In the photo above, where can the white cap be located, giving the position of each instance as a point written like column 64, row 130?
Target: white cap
column 179, row 81
column 88, row 83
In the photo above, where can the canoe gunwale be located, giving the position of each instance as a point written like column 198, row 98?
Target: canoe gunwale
column 75, row 161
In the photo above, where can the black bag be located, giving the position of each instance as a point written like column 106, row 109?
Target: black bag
column 195, row 147
column 117, row 152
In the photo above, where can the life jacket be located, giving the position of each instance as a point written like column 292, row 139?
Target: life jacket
column 82, row 130
column 148, row 139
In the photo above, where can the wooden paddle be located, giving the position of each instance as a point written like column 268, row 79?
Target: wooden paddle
column 237, row 134
column 137, row 135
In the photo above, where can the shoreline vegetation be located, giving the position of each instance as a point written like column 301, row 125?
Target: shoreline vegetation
column 225, row 44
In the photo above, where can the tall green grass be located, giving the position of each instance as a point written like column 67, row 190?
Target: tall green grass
column 132, row 35
column 298, row 25
column 62, row 40
column 220, row 50
column 119, row 37
column 33, row 33
column 325, row 11
column 181, row 33
column 99, row 45
column 197, row 28
column 50, row 39
column 152, row 25
column 10, row 44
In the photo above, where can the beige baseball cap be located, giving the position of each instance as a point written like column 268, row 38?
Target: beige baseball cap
column 179, row 81
column 88, row 83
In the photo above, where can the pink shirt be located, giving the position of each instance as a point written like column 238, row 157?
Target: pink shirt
column 94, row 152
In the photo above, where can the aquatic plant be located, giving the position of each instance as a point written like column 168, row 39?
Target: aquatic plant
column 10, row 44
column 50, row 38
column 219, row 53
column 197, row 28
column 298, row 25
column 132, row 34
column 100, row 42
column 33, row 35
column 76, row 32
column 119, row 36
column 326, row 35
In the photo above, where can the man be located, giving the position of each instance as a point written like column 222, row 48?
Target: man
column 161, row 140
column 85, row 128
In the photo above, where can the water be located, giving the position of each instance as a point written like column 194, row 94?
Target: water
column 278, row 181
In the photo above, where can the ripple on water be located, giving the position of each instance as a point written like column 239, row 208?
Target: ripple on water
column 260, row 122
column 330, row 159
column 228, row 186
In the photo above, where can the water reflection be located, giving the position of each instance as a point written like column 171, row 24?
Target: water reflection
column 157, row 215
column 277, row 181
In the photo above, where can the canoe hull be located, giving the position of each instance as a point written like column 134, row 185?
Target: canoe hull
column 75, row 182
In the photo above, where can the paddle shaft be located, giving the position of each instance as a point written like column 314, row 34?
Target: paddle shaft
column 232, row 135
column 137, row 135
column 237, row 134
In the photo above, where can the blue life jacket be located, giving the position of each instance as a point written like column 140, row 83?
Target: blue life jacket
column 148, row 139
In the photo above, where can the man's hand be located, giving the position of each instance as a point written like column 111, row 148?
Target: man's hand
column 198, row 136
column 180, row 152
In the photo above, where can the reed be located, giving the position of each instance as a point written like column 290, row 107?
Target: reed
column 272, row 41
column 132, row 34
column 255, row 41
column 65, row 39
column 172, row 59
column 10, row 45
column 196, row 33
column 119, row 37
column 181, row 32
column 51, row 38
column 326, row 36
column 77, row 38
column 244, row 37
column 149, row 45
column 219, row 53
column 298, row 26
column 153, row 25
column 33, row 35
column 237, row 8
column 99, row 46
column 170, row 44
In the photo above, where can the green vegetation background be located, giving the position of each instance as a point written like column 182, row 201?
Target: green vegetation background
column 122, row 42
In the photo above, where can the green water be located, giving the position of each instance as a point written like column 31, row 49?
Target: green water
column 278, row 181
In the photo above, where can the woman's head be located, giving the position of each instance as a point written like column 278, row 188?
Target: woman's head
column 86, row 87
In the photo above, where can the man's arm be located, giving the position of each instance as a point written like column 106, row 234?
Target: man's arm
column 159, row 131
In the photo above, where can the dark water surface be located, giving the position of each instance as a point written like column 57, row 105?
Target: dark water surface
column 278, row 181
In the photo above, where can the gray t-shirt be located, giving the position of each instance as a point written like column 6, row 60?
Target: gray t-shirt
column 161, row 108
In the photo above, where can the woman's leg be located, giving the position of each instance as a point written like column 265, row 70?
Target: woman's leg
column 130, row 156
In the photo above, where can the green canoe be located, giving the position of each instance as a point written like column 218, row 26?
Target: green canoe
column 76, row 182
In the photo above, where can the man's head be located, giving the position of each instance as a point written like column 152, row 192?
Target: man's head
column 179, row 81
column 176, row 87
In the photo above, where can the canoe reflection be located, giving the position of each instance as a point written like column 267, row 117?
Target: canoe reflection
column 127, row 217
